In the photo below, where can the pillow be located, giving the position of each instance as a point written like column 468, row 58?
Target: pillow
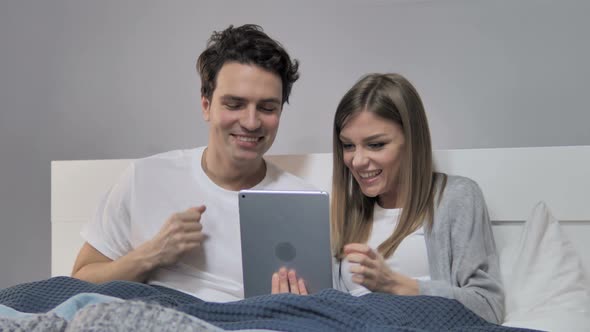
column 544, row 279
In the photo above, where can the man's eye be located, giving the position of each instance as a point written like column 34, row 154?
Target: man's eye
column 268, row 109
column 233, row 106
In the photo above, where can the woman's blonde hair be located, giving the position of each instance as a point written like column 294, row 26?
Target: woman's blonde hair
column 393, row 98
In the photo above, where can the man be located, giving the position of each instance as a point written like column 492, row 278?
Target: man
column 172, row 219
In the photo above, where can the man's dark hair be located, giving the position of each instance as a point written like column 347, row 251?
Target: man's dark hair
column 247, row 44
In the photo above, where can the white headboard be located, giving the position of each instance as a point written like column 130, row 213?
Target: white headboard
column 512, row 181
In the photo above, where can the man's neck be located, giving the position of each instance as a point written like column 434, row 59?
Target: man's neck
column 230, row 176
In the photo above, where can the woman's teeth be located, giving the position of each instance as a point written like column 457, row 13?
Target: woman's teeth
column 366, row 175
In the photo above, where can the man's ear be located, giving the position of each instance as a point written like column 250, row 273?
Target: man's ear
column 206, row 107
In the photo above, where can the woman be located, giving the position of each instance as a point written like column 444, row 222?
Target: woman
column 398, row 226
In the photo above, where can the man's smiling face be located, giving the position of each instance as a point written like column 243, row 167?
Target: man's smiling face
column 244, row 112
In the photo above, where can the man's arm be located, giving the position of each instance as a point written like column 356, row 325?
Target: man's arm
column 180, row 234
column 93, row 266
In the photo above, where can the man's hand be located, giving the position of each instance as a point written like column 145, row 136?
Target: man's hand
column 180, row 234
column 287, row 282
column 369, row 269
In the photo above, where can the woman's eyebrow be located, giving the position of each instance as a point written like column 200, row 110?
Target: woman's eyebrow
column 374, row 137
column 366, row 139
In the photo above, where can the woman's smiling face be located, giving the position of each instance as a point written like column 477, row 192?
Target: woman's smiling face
column 372, row 150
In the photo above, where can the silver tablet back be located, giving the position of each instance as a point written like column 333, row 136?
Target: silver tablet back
column 285, row 228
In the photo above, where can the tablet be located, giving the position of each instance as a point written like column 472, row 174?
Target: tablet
column 285, row 228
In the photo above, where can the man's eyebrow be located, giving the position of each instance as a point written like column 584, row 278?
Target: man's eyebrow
column 271, row 100
column 230, row 98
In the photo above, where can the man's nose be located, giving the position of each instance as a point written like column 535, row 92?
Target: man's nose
column 250, row 119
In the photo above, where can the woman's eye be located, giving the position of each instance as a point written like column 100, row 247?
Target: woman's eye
column 346, row 146
column 376, row 145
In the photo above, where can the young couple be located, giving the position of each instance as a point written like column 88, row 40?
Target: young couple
column 398, row 226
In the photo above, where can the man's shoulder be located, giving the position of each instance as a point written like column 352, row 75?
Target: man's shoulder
column 172, row 157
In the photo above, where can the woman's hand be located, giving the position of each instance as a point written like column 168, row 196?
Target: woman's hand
column 287, row 282
column 369, row 269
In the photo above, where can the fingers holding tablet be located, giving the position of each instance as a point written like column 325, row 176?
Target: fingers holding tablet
column 284, row 281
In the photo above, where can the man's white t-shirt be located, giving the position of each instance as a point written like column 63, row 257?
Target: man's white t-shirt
column 410, row 258
column 154, row 188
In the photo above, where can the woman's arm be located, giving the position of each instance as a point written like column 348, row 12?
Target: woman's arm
column 462, row 253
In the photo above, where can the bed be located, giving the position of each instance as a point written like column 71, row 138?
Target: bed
column 545, row 264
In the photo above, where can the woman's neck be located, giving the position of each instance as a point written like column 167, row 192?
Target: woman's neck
column 390, row 200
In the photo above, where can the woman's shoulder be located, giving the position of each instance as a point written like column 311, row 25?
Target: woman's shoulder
column 457, row 182
column 460, row 201
column 460, row 189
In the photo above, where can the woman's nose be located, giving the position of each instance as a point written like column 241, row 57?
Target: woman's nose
column 359, row 159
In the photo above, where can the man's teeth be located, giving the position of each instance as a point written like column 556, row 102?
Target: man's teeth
column 370, row 174
column 247, row 139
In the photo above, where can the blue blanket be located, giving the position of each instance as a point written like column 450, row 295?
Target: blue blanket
column 328, row 310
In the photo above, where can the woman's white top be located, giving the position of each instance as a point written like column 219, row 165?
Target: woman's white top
column 410, row 258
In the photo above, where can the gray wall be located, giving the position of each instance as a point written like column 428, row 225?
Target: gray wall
column 116, row 79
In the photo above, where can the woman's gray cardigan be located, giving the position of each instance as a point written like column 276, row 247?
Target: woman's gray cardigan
column 462, row 254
